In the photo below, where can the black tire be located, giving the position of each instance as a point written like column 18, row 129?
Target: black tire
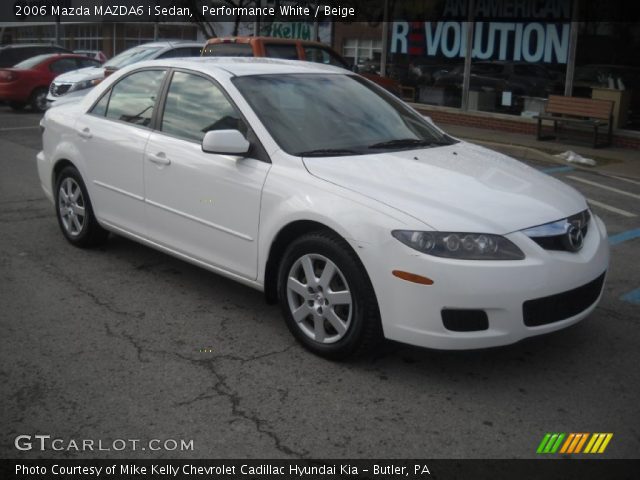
column 91, row 233
column 364, row 330
column 38, row 99
column 17, row 106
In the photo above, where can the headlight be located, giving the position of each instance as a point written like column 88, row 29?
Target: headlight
column 83, row 85
column 461, row 246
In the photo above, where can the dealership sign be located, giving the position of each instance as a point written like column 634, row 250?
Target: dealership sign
column 530, row 42
column 515, row 30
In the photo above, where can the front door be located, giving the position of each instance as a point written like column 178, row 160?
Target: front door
column 204, row 205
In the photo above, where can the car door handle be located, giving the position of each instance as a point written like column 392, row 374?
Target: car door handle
column 85, row 133
column 159, row 159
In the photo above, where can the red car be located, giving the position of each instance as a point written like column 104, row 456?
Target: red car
column 28, row 81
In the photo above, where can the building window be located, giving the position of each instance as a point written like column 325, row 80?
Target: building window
column 361, row 52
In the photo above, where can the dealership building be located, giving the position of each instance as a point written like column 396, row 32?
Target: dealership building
column 495, row 71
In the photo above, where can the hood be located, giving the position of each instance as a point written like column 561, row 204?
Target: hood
column 73, row 97
column 81, row 75
column 458, row 188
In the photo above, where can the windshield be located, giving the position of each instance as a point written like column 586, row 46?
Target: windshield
column 31, row 62
column 335, row 114
column 136, row 54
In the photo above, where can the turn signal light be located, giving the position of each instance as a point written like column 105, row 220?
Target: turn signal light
column 412, row 277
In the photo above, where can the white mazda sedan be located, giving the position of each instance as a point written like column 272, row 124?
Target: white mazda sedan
column 355, row 213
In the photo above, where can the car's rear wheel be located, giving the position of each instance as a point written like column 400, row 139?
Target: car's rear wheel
column 327, row 298
column 38, row 100
column 17, row 106
column 74, row 211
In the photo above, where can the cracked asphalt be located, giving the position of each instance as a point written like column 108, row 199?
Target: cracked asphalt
column 124, row 342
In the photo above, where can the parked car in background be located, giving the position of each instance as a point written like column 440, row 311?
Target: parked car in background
column 288, row 49
column 27, row 82
column 307, row 182
column 13, row 54
column 97, row 54
column 77, row 82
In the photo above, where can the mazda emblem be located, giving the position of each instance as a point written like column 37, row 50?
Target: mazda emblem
column 574, row 239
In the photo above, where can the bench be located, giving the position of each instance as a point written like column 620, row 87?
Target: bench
column 575, row 110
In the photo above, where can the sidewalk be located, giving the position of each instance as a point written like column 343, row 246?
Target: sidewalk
column 612, row 161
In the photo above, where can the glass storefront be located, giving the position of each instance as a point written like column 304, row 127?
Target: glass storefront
column 608, row 67
column 516, row 60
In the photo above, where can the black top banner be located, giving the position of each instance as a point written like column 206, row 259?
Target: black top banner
column 111, row 11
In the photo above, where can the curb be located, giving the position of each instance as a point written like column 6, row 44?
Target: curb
column 525, row 153
column 529, row 153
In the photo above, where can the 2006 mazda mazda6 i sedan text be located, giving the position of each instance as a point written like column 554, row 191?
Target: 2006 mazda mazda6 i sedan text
column 338, row 200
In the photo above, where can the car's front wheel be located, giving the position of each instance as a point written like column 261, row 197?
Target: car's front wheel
column 326, row 296
column 38, row 100
column 74, row 211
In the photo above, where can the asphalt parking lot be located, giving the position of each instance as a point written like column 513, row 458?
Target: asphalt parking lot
column 124, row 342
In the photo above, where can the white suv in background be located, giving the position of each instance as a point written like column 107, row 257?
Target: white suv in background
column 76, row 82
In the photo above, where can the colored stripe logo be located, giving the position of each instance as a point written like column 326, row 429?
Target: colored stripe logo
column 574, row 443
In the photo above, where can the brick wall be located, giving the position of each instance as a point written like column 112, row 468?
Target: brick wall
column 516, row 125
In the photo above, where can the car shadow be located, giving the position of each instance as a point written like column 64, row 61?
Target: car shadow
column 527, row 358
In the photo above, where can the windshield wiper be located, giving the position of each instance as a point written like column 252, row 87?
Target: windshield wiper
column 326, row 152
column 405, row 142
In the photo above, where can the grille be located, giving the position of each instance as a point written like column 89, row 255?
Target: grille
column 545, row 237
column 546, row 310
column 59, row 89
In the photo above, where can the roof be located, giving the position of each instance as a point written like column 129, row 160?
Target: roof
column 171, row 43
column 248, row 39
column 242, row 66
column 23, row 45
column 50, row 57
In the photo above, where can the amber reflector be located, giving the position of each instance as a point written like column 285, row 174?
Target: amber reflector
column 412, row 277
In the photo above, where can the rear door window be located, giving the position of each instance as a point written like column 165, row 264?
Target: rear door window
column 63, row 65
column 181, row 52
column 133, row 98
column 323, row 55
column 87, row 62
column 281, row 50
column 228, row 50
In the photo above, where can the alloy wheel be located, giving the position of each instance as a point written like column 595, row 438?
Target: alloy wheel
column 319, row 298
column 71, row 206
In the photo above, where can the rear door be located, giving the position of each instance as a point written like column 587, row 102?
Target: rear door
column 203, row 205
column 113, row 136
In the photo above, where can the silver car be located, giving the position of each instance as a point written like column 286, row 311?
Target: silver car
column 77, row 82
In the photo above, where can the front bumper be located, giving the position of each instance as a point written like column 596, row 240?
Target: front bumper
column 44, row 173
column 412, row 313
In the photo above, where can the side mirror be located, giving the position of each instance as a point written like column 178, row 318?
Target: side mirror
column 225, row 142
